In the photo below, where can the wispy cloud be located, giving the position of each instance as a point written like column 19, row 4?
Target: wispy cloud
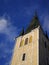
column 7, row 28
column 3, row 24
column 11, row 32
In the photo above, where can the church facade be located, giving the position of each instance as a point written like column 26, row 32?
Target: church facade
column 31, row 47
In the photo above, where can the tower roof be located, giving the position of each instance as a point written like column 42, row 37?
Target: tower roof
column 33, row 24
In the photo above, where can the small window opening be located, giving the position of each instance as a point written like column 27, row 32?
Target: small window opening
column 45, row 44
column 22, row 43
column 26, row 41
column 30, row 39
column 23, row 58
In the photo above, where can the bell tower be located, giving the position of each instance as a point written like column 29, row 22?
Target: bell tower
column 31, row 47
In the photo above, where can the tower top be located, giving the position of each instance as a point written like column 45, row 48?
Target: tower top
column 33, row 24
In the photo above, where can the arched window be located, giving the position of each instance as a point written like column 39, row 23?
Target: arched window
column 26, row 41
column 30, row 39
column 22, row 43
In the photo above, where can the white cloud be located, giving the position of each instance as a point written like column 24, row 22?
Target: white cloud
column 7, row 28
column 11, row 32
column 3, row 24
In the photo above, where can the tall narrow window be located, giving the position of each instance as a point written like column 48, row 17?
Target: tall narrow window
column 26, row 41
column 30, row 39
column 23, row 58
column 22, row 43
column 45, row 44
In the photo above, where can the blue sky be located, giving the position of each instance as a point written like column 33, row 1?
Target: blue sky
column 15, row 14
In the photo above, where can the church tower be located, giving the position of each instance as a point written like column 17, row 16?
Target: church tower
column 31, row 46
